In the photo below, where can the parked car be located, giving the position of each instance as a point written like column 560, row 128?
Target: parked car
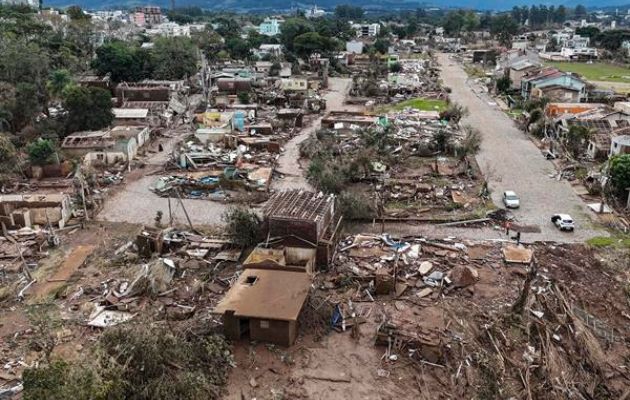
column 564, row 222
column 511, row 200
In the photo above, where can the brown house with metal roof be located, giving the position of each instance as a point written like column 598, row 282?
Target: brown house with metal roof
column 264, row 305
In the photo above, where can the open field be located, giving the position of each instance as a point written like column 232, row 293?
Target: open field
column 595, row 72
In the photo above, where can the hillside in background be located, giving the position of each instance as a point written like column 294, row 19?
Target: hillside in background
column 271, row 5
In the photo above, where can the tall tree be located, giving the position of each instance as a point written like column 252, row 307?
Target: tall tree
column 174, row 58
column 580, row 11
column 122, row 61
column 87, row 108
column 504, row 27
column 292, row 28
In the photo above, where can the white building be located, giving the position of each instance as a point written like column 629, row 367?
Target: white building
column 364, row 30
column 270, row 26
column 30, row 3
column 315, row 12
column 354, row 46
column 619, row 145
column 272, row 50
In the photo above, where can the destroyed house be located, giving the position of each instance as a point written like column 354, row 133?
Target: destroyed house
column 26, row 210
column 142, row 92
column 303, row 219
column 103, row 82
column 358, row 119
column 131, row 116
column 234, row 85
column 264, row 305
column 282, row 259
column 100, row 147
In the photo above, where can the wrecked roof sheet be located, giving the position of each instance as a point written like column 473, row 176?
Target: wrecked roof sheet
column 297, row 204
column 275, row 295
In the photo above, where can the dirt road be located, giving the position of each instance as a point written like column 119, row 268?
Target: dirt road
column 513, row 162
column 135, row 203
column 288, row 163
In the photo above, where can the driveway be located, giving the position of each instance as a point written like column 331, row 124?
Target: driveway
column 512, row 162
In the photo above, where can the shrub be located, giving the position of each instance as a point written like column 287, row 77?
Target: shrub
column 355, row 206
column 41, row 151
column 454, row 113
column 243, row 226
column 139, row 362
column 243, row 97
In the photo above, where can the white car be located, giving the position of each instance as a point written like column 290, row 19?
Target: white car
column 511, row 200
column 564, row 222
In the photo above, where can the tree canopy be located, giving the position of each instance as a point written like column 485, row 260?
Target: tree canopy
column 88, row 108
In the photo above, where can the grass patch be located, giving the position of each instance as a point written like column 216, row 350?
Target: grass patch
column 474, row 71
column 515, row 113
column 612, row 241
column 417, row 104
column 596, row 71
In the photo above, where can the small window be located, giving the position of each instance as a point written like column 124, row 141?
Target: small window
column 264, row 324
column 250, row 280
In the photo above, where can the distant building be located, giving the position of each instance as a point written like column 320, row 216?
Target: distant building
column 146, row 16
column 270, row 26
column 314, row 12
column 30, row 3
column 367, row 30
column 271, row 50
column 354, row 46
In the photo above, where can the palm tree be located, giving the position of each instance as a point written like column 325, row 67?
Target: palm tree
column 59, row 80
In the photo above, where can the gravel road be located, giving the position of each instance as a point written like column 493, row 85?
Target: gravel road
column 513, row 162
column 135, row 203
column 288, row 163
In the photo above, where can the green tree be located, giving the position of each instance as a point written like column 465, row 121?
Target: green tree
column 8, row 154
column 58, row 81
column 174, row 58
column 243, row 97
column 41, row 152
column 76, row 13
column 27, row 104
column 275, row 69
column 239, row 49
column 122, row 61
column 588, row 31
column 382, row 45
column 395, row 67
column 576, row 139
column 292, row 28
column 453, row 22
column 312, row 42
column 503, row 28
column 619, row 170
column 346, row 11
column 580, row 11
column 87, row 108
column 243, row 226
column 504, row 84
column 209, row 42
